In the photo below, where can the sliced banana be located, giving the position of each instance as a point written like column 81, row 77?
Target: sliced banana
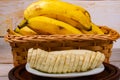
column 80, row 63
column 43, row 64
column 47, row 63
column 55, row 67
column 76, row 62
column 102, row 58
column 35, row 60
column 92, row 57
column 30, row 51
column 87, row 61
column 39, row 59
column 33, row 56
column 66, row 61
column 42, row 55
column 62, row 62
column 83, row 68
column 52, row 61
column 72, row 57
column 97, row 58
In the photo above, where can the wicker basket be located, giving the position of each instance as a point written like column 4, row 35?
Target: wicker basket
column 21, row 44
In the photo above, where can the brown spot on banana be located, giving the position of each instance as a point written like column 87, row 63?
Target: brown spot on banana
column 61, row 28
column 40, row 32
column 80, row 26
column 90, row 28
column 86, row 13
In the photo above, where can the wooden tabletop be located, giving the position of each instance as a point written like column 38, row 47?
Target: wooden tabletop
column 6, row 59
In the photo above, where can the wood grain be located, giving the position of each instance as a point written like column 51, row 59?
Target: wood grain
column 4, row 69
column 4, row 78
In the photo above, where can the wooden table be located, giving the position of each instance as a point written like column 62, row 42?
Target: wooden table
column 6, row 59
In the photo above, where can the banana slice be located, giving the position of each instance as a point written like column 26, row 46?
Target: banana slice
column 97, row 58
column 35, row 60
column 88, row 60
column 42, row 55
column 67, row 63
column 52, row 57
column 43, row 64
column 81, row 58
column 83, row 68
column 71, row 62
column 47, row 63
column 62, row 62
column 55, row 68
column 92, row 57
column 39, row 57
column 33, row 56
column 30, row 51
column 101, row 60
column 75, row 62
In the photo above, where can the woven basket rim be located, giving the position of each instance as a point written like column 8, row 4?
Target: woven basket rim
column 112, row 35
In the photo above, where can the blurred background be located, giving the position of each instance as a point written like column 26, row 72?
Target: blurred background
column 103, row 12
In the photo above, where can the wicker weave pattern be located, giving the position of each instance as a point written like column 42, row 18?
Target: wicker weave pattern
column 102, row 43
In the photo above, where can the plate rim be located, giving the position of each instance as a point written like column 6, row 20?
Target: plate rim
column 65, row 75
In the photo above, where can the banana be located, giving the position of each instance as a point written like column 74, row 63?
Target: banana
column 10, row 31
column 22, row 23
column 17, row 30
column 66, row 12
column 26, row 31
column 95, row 30
column 46, row 25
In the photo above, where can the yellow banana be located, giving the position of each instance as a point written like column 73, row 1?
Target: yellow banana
column 22, row 23
column 46, row 25
column 25, row 31
column 17, row 30
column 66, row 12
column 10, row 31
column 82, row 9
column 95, row 30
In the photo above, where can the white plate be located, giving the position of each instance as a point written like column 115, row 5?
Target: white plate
column 66, row 75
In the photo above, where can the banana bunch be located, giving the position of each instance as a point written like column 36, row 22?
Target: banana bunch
column 56, row 17
column 59, row 10
column 66, row 61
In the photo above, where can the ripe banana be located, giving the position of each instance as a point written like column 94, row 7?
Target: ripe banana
column 95, row 30
column 17, row 29
column 66, row 12
column 10, row 31
column 46, row 25
column 22, row 23
column 25, row 31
